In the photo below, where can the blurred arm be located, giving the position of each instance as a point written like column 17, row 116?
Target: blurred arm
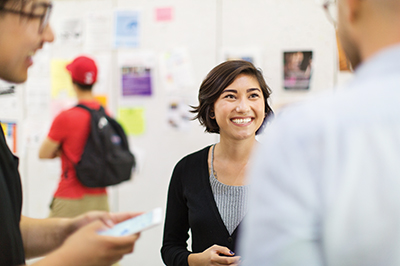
column 50, row 149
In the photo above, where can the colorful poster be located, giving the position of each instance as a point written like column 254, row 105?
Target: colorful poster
column 126, row 28
column 176, row 70
column 178, row 114
column 132, row 120
column 136, row 81
column 10, row 132
column 297, row 70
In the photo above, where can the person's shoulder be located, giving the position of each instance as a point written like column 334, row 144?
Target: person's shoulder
column 195, row 156
column 63, row 114
column 193, row 161
column 191, row 166
column 93, row 104
column 311, row 110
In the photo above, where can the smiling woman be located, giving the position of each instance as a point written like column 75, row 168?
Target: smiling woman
column 220, row 78
column 208, row 191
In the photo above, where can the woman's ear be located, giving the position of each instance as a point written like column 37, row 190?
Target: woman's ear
column 212, row 114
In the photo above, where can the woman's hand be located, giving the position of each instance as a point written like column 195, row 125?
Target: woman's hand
column 214, row 255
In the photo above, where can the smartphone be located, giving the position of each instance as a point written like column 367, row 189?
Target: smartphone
column 135, row 224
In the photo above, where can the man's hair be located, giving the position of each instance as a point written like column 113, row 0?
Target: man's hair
column 216, row 81
column 2, row 3
column 15, row 2
column 83, row 87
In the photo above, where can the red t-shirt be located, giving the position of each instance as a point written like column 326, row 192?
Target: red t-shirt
column 71, row 129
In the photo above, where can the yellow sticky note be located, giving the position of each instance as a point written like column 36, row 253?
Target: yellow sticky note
column 61, row 84
column 4, row 126
column 102, row 99
column 132, row 120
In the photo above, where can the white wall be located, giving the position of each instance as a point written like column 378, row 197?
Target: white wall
column 207, row 29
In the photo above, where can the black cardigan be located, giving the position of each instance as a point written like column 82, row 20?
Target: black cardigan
column 191, row 205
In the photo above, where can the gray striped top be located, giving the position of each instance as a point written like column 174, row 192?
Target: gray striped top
column 231, row 200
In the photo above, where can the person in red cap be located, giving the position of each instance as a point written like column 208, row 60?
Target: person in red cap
column 24, row 29
column 67, row 138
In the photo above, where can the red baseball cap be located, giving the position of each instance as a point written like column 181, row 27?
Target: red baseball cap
column 83, row 70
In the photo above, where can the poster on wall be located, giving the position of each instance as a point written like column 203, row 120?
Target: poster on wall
column 103, row 85
column 126, row 28
column 10, row 133
column 8, row 100
column 136, row 80
column 61, row 84
column 37, row 98
column 176, row 69
column 178, row 114
column 251, row 55
column 297, row 70
column 132, row 120
column 98, row 31
column 136, row 70
column 69, row 31
column 6, row 88
column 164, row 14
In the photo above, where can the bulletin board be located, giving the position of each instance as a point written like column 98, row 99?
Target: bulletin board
column 152, row 57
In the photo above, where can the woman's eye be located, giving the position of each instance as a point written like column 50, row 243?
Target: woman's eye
column 230, row 96
column 254, row 95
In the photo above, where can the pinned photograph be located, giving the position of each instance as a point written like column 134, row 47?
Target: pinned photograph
column 297, row 70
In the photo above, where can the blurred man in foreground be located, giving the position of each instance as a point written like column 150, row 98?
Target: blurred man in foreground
column 326, row 180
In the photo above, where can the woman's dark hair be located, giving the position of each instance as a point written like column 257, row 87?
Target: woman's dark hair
column 214, row 84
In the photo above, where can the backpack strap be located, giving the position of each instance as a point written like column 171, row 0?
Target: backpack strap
column 90, row 110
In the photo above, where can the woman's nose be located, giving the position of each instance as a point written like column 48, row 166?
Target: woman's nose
column 243, row 106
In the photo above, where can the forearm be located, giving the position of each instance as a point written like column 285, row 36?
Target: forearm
column 57, row 258
column 50, row 149
column 41, row 236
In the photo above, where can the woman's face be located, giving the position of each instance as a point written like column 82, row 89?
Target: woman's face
column 240, row 109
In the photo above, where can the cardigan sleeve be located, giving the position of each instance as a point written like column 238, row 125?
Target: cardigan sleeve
column 174, row 250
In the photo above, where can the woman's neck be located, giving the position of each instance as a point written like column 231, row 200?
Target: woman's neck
column 238, row 150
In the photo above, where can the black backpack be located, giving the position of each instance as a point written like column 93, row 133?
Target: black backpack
column 106, row 159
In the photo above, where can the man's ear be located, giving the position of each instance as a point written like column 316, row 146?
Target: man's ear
column 353, row 8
